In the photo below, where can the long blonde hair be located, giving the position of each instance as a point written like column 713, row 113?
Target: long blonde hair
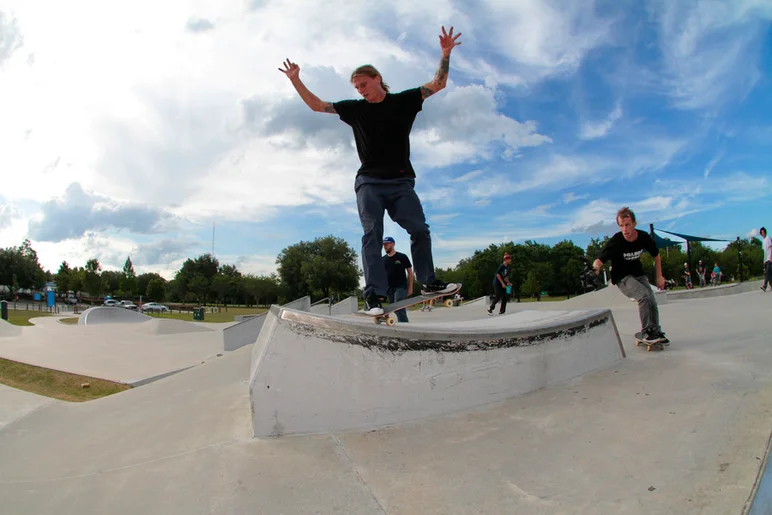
column 370, row 71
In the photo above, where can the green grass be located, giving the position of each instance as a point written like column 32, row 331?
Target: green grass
column 220, row 317
column 22, row 316
column 69, row 321
column 55, row 384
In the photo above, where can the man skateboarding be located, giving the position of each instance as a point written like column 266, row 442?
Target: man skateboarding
column 399, row 274
column 624, row 250
column 500, row 283
column 766, row 244
column 385, row 181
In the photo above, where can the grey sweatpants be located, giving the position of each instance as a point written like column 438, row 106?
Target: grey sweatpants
column 399, row 199
column 638, row 289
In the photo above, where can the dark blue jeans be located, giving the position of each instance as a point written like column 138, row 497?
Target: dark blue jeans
column 398, row 198
column 396, row 295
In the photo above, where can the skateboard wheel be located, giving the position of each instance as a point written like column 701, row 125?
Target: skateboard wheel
column 391, row 321
column 377, row 320
column 448, row 303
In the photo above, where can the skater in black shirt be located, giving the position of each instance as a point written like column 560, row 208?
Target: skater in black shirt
column 385, row 182
column 624, row 250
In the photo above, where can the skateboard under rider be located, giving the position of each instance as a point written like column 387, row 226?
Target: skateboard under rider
column 412, row 301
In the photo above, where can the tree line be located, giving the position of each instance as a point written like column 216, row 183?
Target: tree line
column 327, row 267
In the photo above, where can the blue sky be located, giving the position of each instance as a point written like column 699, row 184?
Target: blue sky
column 131, row 130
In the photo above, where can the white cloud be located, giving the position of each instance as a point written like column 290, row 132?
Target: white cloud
column 11, row 38
column 713, row 163
column 468, row 176
column 595, row 130
column 465, row 125
column 709, row 48
column 572, row 197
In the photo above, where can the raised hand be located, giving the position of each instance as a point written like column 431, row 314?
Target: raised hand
column 448, row 40
column 291, row 70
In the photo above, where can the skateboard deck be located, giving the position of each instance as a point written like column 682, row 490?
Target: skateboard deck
column 656, row 345
column 412, row 301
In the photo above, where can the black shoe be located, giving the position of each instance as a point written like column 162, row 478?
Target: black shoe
column 652, row 337
column 438, row 287
column 373, row 305
column 490, row 312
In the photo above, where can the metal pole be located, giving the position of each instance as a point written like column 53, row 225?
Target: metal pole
column 740, row 256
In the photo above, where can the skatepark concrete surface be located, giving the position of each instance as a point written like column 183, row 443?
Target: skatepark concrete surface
column 15, row 404
column 131, row 353
column 679, row 431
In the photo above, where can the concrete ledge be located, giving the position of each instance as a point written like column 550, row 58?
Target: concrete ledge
column 312, row 374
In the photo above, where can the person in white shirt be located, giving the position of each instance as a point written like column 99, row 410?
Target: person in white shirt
column 766, row 244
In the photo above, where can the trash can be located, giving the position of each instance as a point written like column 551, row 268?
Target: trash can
column 198, row 313
column 4, row 309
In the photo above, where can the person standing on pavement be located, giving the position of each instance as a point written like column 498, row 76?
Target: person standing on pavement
column 385, row 183
column 701, row 271
column 766, row 244
column 624, row 250
column 500, row 283
column 399, row 274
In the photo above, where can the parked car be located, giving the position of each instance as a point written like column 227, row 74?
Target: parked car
column 111, row 302
column 154, row 307
column 127, row 304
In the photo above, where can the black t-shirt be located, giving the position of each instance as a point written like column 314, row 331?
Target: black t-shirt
column 625, row 255
column 396, row 266
column 503, row 271
column 382, row 132
column 701, row 269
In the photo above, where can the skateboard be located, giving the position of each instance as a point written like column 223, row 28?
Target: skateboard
column 649, row 346
column 412, row 301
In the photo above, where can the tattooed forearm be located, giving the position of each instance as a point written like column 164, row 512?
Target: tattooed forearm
column 426, row 92
column 327, row 107
column 441, row 77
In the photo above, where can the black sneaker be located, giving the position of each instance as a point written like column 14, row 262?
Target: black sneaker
column 652, row 337
column 438, row 287
column 373, row 305
column 490, row 312
column 663, row 338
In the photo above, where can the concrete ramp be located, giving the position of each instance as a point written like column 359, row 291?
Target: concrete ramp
column 346, row 306
column 314, row 374
column 323, row 308
column 715, row 291
column 247, row 331
column 111, row 315
column 8, row 330
column 243, row 333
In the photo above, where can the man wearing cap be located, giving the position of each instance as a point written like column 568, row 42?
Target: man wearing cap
column 500, row 283
column 397, row 265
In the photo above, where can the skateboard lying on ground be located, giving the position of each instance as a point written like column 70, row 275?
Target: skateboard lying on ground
column 412, row 301
column 649, row 345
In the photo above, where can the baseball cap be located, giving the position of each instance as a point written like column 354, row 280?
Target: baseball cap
column 388, row 239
